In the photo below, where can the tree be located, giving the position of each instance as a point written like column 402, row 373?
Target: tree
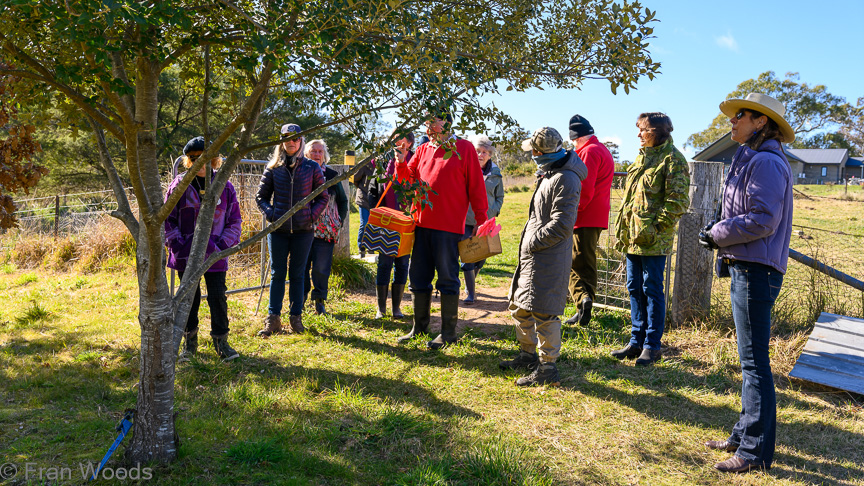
column 811, row 111
column 613, row 149
column 356, row 58
column 16, row 147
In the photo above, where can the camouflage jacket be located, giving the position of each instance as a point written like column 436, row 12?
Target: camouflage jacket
column 655, row 197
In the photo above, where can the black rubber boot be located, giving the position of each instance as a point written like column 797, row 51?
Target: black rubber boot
column 422, row 312
column 449, row 318
column 225, row 352
column 469, row 287
column 396, row 291
column 190, row 346
column 381, row 293
column 627, row 352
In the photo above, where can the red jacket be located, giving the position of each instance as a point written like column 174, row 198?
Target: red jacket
column 457, row 180
column 594, row 204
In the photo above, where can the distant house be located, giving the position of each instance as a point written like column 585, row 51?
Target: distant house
column 809, row 166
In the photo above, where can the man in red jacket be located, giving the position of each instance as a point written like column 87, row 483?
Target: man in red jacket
column 592, row 218
column 449, row 165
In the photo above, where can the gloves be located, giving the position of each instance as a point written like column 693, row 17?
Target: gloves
column 705, row 238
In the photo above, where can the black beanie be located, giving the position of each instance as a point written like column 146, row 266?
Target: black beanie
column 579, row 127
column 194, row 145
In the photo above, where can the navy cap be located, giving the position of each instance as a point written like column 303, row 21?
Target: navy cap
column 194, row 145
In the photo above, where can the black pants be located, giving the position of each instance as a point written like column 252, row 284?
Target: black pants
column 583, row 272
column 217, row 301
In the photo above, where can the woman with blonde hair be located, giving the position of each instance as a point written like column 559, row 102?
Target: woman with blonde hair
column 287, row 180
column 327, row 227
column 225, row 233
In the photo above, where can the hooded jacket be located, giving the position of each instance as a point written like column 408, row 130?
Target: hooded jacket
column 546, row 245
column 180, row 225
column 494, row 195
column 282, row 187
column 657, row 193
column 757, row 208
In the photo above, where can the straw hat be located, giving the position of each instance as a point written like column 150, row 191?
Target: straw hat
column 764, row 104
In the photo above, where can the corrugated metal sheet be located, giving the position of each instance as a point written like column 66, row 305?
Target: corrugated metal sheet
column 855, row 162
column 834, row 354
column 820, row 156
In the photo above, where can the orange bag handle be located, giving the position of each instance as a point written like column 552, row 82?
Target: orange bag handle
column 385, row 193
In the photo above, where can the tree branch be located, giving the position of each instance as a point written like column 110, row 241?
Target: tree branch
column 124, row 210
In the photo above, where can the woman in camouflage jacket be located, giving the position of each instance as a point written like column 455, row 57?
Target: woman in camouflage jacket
column 655, row 197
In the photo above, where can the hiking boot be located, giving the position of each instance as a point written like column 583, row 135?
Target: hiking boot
column 381, row 293
column 628, row 352
column 449, row 318
column 422, row 310
column 319, row 307
column 396, row 292
column 190, row 346
column 272, row 325
column 469, row 287
column 523, row 361
column 225, row 351
column 649, row 357
column 544, row 374
column 296, row 324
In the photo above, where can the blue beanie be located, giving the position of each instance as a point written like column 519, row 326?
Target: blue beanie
column 194, row 145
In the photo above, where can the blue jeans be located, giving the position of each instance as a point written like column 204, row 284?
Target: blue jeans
column 386, row 263
column 435, row 250
column 364, row 218
column 468, row 267
column 318, row 266
column 754, row 289
column 647, row 301
column 282, row 245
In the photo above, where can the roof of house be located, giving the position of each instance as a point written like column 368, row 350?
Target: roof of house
column 855, row 162
column 725, row 142
column 821, row 156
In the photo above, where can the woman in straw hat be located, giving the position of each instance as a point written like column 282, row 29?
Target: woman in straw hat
column 752, row 239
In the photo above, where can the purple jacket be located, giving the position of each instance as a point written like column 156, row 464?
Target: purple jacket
column 756, row 222
column 180, row 226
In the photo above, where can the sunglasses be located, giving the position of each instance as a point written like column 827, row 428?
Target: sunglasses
column 740, row 114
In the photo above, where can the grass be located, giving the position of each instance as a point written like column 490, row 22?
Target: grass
column 344, row 404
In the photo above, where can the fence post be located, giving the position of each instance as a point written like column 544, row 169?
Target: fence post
column 343, row 246
column 56, row 215
column 691, row 292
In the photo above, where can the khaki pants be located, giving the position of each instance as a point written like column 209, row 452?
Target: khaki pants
column 583, row 272
column 535, row 329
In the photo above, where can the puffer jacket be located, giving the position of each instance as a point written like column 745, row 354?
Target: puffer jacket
column 180, row 225
column 655, row 196
column 546, row 245
column 281, row 188
column 757, row 208
column 494, row 195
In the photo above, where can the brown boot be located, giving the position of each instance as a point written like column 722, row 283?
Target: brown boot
column 296, row 324
column 272, row 325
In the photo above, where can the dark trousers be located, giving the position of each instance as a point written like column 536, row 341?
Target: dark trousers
column 318, row 268
column 583, row 271
column 435, row 251
column 647, row 301
column 282, row 246
column 216, row 299
column 754, row 289
column 399, row 267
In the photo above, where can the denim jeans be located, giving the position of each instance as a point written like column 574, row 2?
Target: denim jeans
column 386, row 263
column 289, row 253
column 468, row 267
column 364, row 218
column 318, row 266
column 217, row 301
column 754, row 289
column 435, row 250
column 647, row 301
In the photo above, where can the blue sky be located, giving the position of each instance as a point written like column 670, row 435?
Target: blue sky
column 706, row 48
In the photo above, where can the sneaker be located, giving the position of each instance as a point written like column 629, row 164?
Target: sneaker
column 224, row 350
column 544, row 374
column 523, row 361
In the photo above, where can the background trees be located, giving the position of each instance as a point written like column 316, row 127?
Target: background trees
column 820, row 119
column 247, row 66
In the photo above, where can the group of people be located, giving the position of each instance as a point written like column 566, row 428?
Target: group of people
column 557, row 248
